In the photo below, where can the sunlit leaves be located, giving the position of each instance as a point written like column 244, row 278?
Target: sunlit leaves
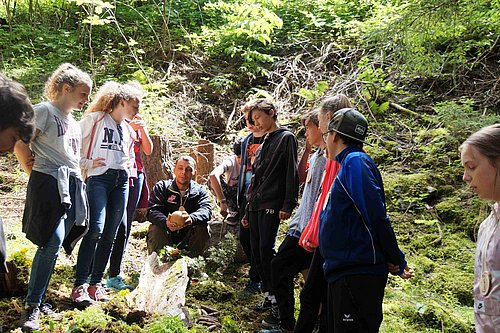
column 94, row 9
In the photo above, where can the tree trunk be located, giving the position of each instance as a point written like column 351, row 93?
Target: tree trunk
column 159, row 164
column 204, row 157
column 157, row 167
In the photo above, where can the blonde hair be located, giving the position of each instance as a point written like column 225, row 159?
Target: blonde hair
column 112, row 93
column 65, row 74
column 334, row 103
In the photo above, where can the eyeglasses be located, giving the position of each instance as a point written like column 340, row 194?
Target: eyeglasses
column 324, row 135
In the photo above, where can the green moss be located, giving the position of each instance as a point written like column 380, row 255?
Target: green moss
column 407, row 192
column 167, row 324
column 212, row 290
column 431, row 314
column 424, row 265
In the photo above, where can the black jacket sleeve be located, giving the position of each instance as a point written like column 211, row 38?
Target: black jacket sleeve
column 157, row 212
column 292, row 175
column 203, row 211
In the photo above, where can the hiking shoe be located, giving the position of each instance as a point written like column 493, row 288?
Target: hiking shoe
column 29, row 319
column 251, row 288
column 46, row 309
column 232, row 218
column 275, row 330
column 117, row 283
column 98, row 293
column 80, row 295
column 265, row 305
column 273, row 319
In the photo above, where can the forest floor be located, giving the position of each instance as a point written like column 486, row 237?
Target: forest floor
column 418, row 305
column 12, row 197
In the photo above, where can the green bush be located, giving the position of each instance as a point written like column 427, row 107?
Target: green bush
column 167, row 324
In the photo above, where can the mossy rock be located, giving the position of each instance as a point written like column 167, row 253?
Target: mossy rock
column 380, row 155
column 215, row 291
column 455, row 283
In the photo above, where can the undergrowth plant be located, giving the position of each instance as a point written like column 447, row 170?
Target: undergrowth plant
column 221, row 256
column 167, row 324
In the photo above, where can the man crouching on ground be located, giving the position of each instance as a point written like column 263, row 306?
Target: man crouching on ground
column 179, row 210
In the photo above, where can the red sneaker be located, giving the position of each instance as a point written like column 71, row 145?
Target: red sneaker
column 80, row 296
column 98, row 293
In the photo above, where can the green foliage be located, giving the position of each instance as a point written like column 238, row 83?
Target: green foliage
column 170, row 253
column 242, row 31
column 461, row 119
column 434, row 37
column 222, row 83
column 313, row 21
column 309, row 94
column 20, row 259
column 90, row 319
column 221, row 255
column 167, row 324
column 229, row 325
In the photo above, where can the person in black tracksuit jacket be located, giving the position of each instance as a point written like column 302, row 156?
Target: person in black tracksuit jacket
column 273, row 191
column 179, row 194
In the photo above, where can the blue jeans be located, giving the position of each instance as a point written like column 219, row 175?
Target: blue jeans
column 46, row 256
column 107, row 195
column 121, row 240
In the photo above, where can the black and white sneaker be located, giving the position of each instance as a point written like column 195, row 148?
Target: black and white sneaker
column 29, row 319
column 47, row 310
column 265, row 305
column 273, row 319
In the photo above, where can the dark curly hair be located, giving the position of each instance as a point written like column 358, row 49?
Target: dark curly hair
column 16, row 109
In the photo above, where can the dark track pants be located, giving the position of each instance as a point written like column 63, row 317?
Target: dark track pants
column 313, row 294
column 247, row 248
column 355, row 304
column 263, row 230
column 290, row 260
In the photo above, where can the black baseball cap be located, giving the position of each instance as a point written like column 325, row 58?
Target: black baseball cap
column 350, row 123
